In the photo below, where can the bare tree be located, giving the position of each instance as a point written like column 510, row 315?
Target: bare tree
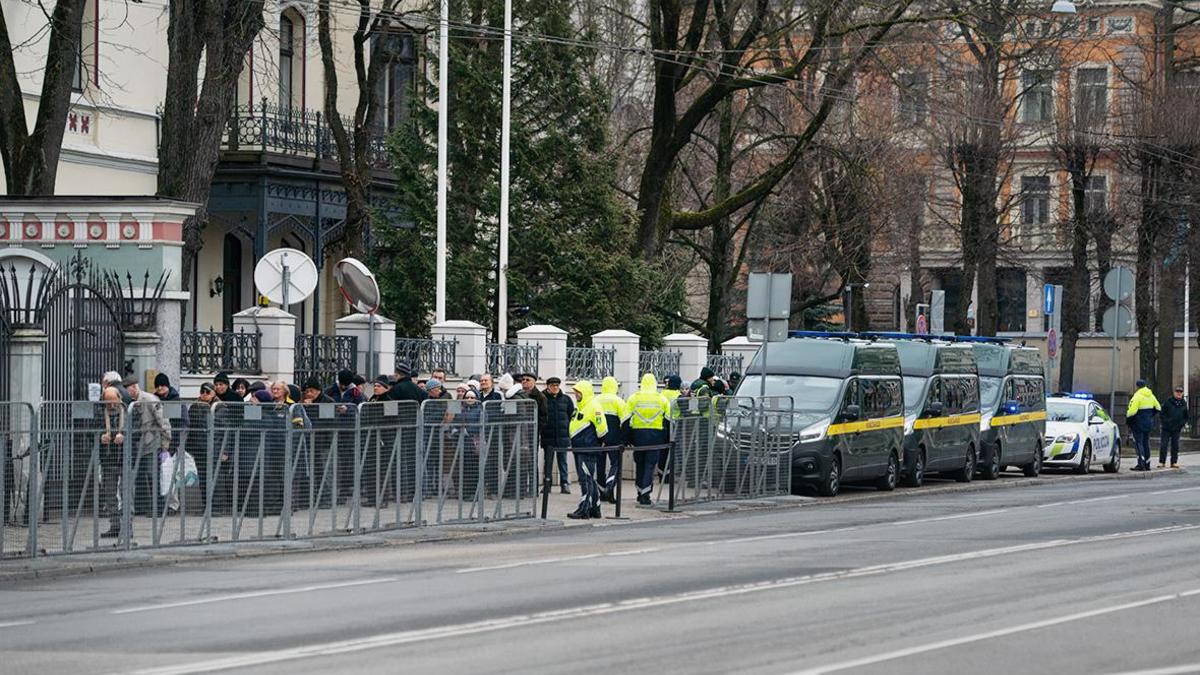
column 31, row 157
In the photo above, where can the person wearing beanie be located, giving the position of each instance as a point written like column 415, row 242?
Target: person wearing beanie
column 381, row 385
column 704, row 387
column 223, row 391
column 434, row 388
column 404, row 388
column 345, row 391
column 163, row 389
column 1143, row 407
column 312, row 392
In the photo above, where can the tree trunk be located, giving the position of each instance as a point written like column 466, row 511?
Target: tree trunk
column 1075, row 291
column 1103, row 236
column 720, row 257
column 1170, row 295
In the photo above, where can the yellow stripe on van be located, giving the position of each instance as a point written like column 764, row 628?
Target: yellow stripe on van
column 865, row 425
column 949, row 421
column 1004, row 420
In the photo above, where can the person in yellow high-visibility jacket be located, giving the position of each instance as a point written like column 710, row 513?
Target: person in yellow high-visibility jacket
column 608, row 465
column 649, row 417
column 588, row 428
column 1143, row 406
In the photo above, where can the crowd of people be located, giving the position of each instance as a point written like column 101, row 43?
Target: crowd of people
column 593, row 427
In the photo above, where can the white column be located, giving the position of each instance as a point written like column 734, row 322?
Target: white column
column 277, row 350
column 552, row 360
column 741, row 346
column 693, row 351
column 625, row 363
column 470, row 356
column 383, row 343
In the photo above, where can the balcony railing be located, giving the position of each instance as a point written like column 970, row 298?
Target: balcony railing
column 424, row 356
column 267, row 127
column 322, row 356
column 588, row 363
column 205, row 352
column 513, row 359
column 661, row 364
column 724, row 364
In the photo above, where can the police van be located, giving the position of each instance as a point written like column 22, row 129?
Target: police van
column 848, row 402
column 1012, row 395
column 941, row 406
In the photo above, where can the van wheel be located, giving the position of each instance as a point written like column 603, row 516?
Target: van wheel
column 1034, row 467
column 832, row 483
column 916, row 474
column 1085, row 462
column 1114, row 464
column 993, row 468
column 887, row 482
column 967, row 472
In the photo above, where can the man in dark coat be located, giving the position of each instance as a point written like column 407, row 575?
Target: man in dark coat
column 556, row 429
column 222, row 390
column 1174, row 418
column 405, row 389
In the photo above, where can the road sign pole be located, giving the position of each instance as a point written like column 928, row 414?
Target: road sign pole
column 762, row 376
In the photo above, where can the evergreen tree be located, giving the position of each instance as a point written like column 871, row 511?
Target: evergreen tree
column 570, row 236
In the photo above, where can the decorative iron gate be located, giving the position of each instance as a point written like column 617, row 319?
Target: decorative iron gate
column 83, row 336
column 5, row 344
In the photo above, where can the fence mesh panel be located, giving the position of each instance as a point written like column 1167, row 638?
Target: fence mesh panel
column 387, row 477
column 450, row 459
column 18, row 455
column 509, row 458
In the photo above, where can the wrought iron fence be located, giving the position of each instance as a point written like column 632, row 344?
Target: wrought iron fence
column 584, row 363
column 514, row 359
column 322, row 356
column 268, row 127
column 202, row 352
column 661, row 364
column 724, row 364
column 425, row 356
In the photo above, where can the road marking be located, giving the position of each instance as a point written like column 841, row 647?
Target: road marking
column 524, row 620
column 14, row 624
column 768, row 537
column 548, row 561
column 956, row 516
column 252, row 594
column 1086, row 501
column 1169, row 670
column 1167, row 492
column 1002, row 632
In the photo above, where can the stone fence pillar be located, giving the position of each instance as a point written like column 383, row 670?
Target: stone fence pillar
column 743, row 347
column 693, row 351
column 383, row 359
column 552, row 359
column 470, row 356
column 625, row 363
column 277, row 352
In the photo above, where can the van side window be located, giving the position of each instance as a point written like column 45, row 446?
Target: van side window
column 1028, row 392
column 954, row 395
column 936, row 390
column 851, row 396
column 892, row 392
column 970, row 394
column 882, row 398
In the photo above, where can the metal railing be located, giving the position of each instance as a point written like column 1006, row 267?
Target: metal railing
column 203, row 352
column 513, row 359
column 724, row 364
column 84, row 476
column 590, row 363
column 424, row 356
column 661, row 364
column 268, row 127
column 322, row 356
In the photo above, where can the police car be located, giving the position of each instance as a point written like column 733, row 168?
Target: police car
column 1079, row 433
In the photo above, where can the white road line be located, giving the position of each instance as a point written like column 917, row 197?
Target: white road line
column 1167, row 492
column 1169, row 670
column 548, row 561
column 1087, row 501
column 768, row 537
column 252, row 594
column 14, row 624
column 967, row 639
column 956, row 516
column 487, row 626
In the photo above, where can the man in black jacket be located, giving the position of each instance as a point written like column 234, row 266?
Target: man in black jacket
column 1174, row 417
column 556, row 427
column 405, row 389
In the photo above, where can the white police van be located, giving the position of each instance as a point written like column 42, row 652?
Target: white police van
column 1079, row 433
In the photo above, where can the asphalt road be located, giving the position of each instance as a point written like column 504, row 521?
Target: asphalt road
column 1094, row 576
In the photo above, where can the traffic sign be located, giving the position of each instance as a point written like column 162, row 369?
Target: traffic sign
column 1118, row 321
column 922, row 325
column 1052, row 343
column 1118, row 281
column 1048, row 304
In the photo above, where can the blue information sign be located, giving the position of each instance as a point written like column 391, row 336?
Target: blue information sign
column 1048, row 298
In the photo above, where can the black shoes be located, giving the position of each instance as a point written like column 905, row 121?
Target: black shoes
column 565, row 489
column 608, row 496
column 113, row 531
column 579, row 514
column 644, row 501
column 595, row 512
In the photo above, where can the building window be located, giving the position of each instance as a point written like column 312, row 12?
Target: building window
column 397, row 86
column 1092, row 96
column 914, row 97
column 287, row 59
column 1010, row 300
column 1095, row 195
column 1120, row 24
column 1037, row 105
column 1093, row 25
column 1035, row 200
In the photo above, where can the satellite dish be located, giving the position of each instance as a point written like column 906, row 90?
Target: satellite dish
column 285, row 276
column 358, row 285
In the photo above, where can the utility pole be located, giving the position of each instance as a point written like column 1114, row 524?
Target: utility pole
column 442, row 167
column 505, row 123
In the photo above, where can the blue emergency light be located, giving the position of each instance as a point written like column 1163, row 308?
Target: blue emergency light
column 1081, row 395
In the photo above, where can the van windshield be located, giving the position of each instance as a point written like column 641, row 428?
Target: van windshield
column 809, row 393
column 989, row 393
column 914, row 393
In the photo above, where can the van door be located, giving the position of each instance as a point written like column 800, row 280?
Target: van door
column 848, row 430
column 883, row 409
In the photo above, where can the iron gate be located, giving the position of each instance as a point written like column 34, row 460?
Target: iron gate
column 5, row 342
column 83, row 339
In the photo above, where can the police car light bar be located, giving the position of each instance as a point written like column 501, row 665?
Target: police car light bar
column 821, row 334
column 1082, row 395
column 888, row 335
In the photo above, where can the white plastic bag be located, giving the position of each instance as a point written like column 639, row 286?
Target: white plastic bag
column 166, row 472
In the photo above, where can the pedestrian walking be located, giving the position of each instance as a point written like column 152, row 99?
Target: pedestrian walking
column 608, row 465
column 1174, row 418
column 648, row 415
column 588, row 429
column 556, row 429
column 1143, row 406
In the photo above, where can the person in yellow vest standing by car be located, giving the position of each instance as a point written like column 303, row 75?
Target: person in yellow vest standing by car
column 588, row 429
column 649, row 415
column 608, row 465
column 1143, row 407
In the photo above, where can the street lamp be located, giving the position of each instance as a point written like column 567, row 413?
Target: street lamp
column 848, row 304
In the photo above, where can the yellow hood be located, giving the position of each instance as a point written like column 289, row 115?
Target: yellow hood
column 586, row 392
column 649, row 384
column 609, row 385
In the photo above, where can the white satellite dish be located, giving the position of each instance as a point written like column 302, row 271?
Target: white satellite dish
column 286, row 276
column 358, row 285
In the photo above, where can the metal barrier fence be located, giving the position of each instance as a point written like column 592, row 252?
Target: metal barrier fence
column 732, row 447
column 80, row 476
